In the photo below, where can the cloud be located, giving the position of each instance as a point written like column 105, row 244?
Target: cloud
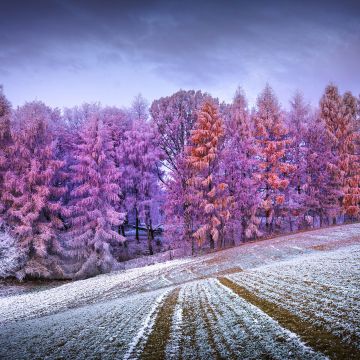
column 188, row 43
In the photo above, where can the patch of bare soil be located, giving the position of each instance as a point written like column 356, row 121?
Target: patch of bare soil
column 317, row 338
column 157, row 340
column 332, row 245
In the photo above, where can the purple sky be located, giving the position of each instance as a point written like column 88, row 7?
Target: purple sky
column 69, row 52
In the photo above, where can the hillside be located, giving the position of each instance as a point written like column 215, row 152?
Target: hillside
column 295, row 296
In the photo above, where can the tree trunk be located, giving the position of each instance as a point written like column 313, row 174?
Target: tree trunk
column 149, row 241
column 137, row 226
column 149, row 230
column 211, row 241
column 187, row 225
column 243, row 230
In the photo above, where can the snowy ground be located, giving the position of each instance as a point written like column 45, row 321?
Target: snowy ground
column 246, row 302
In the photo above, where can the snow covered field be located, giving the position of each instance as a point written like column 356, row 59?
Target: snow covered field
column 195, row 307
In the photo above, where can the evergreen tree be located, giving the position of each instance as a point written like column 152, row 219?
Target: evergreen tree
column 350, row 156
column 32, row 194
column 272, row 138
column 95, row 193
column 207, row 195
column 298, row 119
column 174, row 117
column 321, row 188
column 331, row 112
column 239, row 167
column 139, row 157
column 5, row 142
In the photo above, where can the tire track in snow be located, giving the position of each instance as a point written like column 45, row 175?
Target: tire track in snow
column 317, row 337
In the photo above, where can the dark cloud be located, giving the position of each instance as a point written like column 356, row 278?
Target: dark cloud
column 186, row 42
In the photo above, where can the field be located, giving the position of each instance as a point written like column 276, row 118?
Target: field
column 292, row 297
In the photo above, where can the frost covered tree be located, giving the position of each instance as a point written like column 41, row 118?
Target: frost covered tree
column 321, row 187
column 297, row 119
column 239, row 169
column 32, row 191
column 139, row 109
column 119, row 122
column 12, row 257
column 139, row 157
column 174, row 117
column 92, row 209
column 208, row 196
column 348, row 136
column 331, row 112
column 272, row 138
column 5, row 141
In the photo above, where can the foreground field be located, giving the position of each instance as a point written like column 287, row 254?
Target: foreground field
column 293, row 297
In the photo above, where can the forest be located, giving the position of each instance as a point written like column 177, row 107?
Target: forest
column 83, row 189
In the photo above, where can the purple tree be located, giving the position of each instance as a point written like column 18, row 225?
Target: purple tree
column 92, row 212
column 321, row 187
column 139, row 160
column 239, row 168
column 32, row 194
column 174, row 117
column 5, row 141
column 273, row 142
column 297, row 121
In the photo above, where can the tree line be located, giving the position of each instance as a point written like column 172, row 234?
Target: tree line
column 216, row 174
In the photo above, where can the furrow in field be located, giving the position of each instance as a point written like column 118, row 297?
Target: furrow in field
column 211, row 322
column 305, row 290
column 104, row 331
column 315, row 336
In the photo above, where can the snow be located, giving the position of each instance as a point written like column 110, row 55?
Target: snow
column 215, row 323
column 315, row 275
column 322, row 288
column 139, row 340
column 104, row 330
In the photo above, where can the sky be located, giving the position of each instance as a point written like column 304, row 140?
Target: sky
column 67, row 52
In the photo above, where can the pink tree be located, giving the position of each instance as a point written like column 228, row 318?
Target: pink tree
column 297, row 121
column 321, row 188
column 272, row 137
column 92, row 212
column 349, row 156
column 32, row 194
column 208, row 196
column 239, row 167
column 174, row 117
column 331, row 113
